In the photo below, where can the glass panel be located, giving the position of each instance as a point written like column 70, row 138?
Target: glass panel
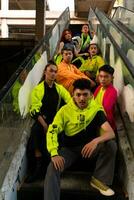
column 123, row 79
column 125, row 16
column 123, row 42
column 15, row 96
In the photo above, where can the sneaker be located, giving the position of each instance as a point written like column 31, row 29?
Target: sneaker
column 104, row 189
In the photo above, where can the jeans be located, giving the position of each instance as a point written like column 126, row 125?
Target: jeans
column 104, row 170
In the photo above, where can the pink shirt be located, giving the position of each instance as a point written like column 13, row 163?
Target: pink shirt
column 108, row 101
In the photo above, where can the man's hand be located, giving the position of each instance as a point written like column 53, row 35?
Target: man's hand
column 87, row 73
column 61, row 45
column 89, row 148
column 58, row 162
column 86, row 54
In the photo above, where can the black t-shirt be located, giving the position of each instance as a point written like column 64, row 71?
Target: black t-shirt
column 87, row 134
column 49, row 103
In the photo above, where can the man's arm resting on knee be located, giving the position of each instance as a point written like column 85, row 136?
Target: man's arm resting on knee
column 58, row 162
column 106, row 135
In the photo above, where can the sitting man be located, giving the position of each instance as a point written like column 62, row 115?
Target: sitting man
column 46, row 99
column 105, row 94
column 67, row 72
column 91, row 65
column 80, row 120
column 85, row 38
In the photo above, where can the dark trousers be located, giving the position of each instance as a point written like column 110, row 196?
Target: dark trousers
column 37, row 140
column 104, row 170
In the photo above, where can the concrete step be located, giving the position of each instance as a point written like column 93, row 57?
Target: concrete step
column 73, row 185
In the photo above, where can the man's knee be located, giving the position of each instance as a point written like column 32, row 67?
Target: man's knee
column 51, row 170
column 108, row 147
column 111, row 147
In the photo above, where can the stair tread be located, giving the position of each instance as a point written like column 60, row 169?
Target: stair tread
column 70, row 181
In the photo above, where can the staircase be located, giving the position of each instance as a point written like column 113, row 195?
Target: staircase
column 75, row 182
column 74, row 185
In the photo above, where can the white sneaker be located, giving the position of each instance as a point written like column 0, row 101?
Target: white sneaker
column 104, row 189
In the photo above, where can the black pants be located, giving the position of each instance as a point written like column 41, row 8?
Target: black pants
column 37, row 140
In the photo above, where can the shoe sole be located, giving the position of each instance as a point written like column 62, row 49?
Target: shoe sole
column 102, row 191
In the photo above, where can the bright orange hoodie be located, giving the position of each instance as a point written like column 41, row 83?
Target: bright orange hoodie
column 67, row 74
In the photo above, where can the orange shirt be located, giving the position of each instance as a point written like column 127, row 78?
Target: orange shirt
column 67, row 74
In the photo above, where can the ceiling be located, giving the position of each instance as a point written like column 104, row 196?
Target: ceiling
column 82, row 6
column 22, row 4
column 81, row 10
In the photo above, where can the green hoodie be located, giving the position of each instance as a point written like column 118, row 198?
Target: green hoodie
column 92, row 65
column 85, row 43
column 68, row 118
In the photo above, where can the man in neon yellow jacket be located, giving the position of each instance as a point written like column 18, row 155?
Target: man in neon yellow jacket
column 46, row 99
column 85, row 38
column 91, row 65
column 80, row 120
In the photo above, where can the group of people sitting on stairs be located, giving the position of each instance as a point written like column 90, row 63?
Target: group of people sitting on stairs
column 73, row 107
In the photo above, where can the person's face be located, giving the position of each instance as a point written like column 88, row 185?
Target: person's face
column 68, row 36
column 93, row 50
column 81, row 97
column 85, row 29
column 67, row 56
column 105, row 78
column 50, row 73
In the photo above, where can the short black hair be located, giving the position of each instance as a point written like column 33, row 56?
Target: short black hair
column 82, row 84
column 85, row 25
column 50, row 62
column 67, row 48
column 107, row 68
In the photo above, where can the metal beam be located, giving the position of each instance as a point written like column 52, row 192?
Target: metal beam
column 19, row 5
column 28, row 17
column 40, row 19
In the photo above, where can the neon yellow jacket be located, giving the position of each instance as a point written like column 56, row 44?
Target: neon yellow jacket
column 68, row 118
column 58, row 58
column 38, row 94
column 92, row 65
column 15, row 92
column 85, row 43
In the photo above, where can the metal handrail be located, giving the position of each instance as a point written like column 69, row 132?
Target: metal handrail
column 28, row 59
column 121, row 7
column 120, row 51
column 126, row 30
column 118, row 27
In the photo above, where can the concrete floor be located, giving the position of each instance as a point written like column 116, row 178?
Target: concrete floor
column 9, row 141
